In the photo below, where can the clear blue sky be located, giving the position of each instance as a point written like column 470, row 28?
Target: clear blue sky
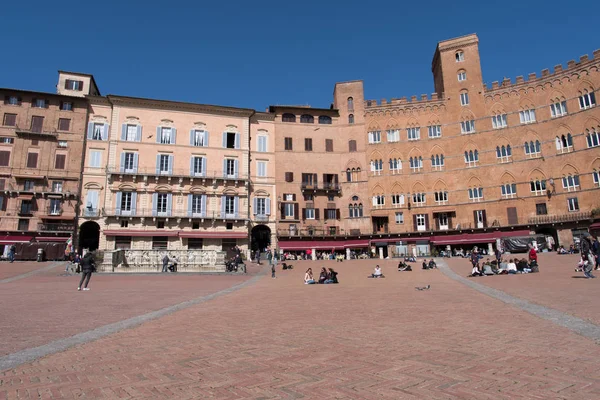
column 256, row 53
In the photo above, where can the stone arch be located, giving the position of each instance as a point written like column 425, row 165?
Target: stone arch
column 92, row 186
column 163, row 188
column 392, row 124
column 375, row 155
column 536, row 174
column 569, row 169
column 440, row 185
column 497, row 108
column 591, row 124
column 127, row 187
column 470, row 145
column 352, row 163
column 377, row 189
column 395, row 153
column 585, row 86
column 418, row 187
column 197, row 189
column 397, row 188
column 507, row 177
column 262, row 193
column 436, row 149
column 374, row 126
column 412, row 122
column 415, row 151
column 526, row 104
column 474, row 181
column 467, row 115
column 229, row 191
column 595, row 164
column 556, row 96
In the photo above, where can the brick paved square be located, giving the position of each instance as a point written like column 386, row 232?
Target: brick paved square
column 278, row 338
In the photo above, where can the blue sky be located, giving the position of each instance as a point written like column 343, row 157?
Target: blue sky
column 254, row 54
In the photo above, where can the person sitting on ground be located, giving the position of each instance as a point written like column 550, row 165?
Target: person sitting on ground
column 308, row 277
column 331, row 276
column 323, row 275
column 511, row 267
column 410, row 259
column 432, row 264
column 402, row 266
column 521, row 264
column 562, row 250
column 377, row 273
column 425, row 265
column 476, row 271
column 571, row 249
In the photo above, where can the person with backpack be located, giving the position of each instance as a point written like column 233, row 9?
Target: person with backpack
column 11, row 252
column 88, row 265
column 586, row 255
column 165, row 263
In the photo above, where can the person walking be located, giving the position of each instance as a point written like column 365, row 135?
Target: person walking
column 165, row 262
column 586, row 255
column 11, row 252
column 88, row 265
column 596, row 251
column 498, row 256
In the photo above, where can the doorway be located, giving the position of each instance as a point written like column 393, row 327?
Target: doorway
column 89, row 236
column 261, row 237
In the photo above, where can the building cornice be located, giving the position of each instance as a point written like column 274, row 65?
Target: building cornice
column 178, row 106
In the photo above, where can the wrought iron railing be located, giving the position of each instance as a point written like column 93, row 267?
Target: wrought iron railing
column 549, row 219
column 185, row 173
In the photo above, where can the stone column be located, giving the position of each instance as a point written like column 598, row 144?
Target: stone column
column 347, row 254
column 381, row 253
column 490, row 249
column 314, row 254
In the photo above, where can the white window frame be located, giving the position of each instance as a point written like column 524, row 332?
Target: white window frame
column 479, row 216
column 198, row 161
column 464, row 99
column 376, row 167
column 39, row 103
column 397, row 200
column 462, row 76
column 129, row 162
column 437, row 162
column 261, row 169
column 399, row 218
column 558, row 109
column 309, row 213
column 475, row 194
column 261, row 206
column 395, row 165
column 288, row 209
column 592, row 138
column 472, row 162
column 587, row 100
column 532, row 152
column 163, row 162
column 64, row 107
column 538, row 187
column 441, row 197
column 421, row 227
column 504, row 153
column 131, row 133
column 57, row 186
column 374, row 137
column 443, row 221
column 467, row 126
column 199, row 138
column 261, row 144
column 378, row 201
column 417, row 164
column 459, row 56
column 126, row 202
column 419, row 199
column 13, row 100
column 164, row 138
column 573, row 204
column 560, row 145
column 434, row 131
column 499, row 121
column 97, row 131
column 393, row 135
column 413, row 133
column 571, row 183
column 508, row 190
column 596, row 177
column 527, row 116
column 95, row 159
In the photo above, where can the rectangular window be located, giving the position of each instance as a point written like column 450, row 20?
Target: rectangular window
column 508, row 190
column 39, row 103
column 129, row 162
column 288, row 143
column 4, row 158
column 289, row 177
column 596, row 176
column 329, row 145
column 66, row 106
column 229, row 205
column 60, row 161
column 393, row 135
column 62, row 144
column 198, row 166
column 160, row 242
column 476, row 194
column 10, row 119
column 131, row 133
column 499, row 121
column 261, row 206
column 261, row 144
column 57, row 187
column 37, row 124
column 95, row 158
column 331, row 213
column 97, row 131
column 12, row 100
column 420, row 219
column 261, row 167
column 196, row 205
column 352, row 146
column 23, row 225
column 162, row 200
column 540, row 209
column 123, row 242
column 570, row 183
column 26, row 207
column 126, row 201
column 587, row 100
column 558, row 109
column 397, row 200
column 399, row 218
column 413, row 133
column 64, row 124
column 230, row 171
column 55, row 207
column 464, row 99
column 308, row 144
column 437, row 162
column 416, row 164
column 435, row 131
column 573, row 204
column 29, row 186
column 166, row 136
column 379, row 201
column 163, row 165
column 467, row 126
column 289, row 210
column 374, row 137
column 462, row 76
column 32, row 160
column 309, row 213
column 71, row 84
column 527, row 116
column 230, row 140
column 289, row 197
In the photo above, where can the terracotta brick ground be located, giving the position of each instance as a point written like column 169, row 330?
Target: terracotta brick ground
column 557, row 285
column 364, row 338
column 8, row 270
column 47, row 306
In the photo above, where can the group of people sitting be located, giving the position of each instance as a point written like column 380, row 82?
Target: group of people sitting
column 325, row 277
column 402, row 266
column 429, row 265
column 562, row 250
column 513, row 266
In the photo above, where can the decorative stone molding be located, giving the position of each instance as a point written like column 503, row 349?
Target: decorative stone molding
column 129, row 261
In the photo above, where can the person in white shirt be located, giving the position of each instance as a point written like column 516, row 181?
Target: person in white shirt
column 377, row 273
column 511, row 267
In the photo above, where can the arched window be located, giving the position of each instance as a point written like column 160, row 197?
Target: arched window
column 471, row 158
column 593, row 138
column 460, row 56
column 352, row 146
column 360, row 210
column 350, row 104
column 348, row 175
column 564, row 144
column 351, row 118
column 324, row 119
column 288, row 117
column 351, row 211
column 307, row 119
column 538, row 187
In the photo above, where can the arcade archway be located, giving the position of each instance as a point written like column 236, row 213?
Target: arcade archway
column 89, row 236
column 261, row 237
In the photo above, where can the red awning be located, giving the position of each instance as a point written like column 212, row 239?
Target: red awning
column 215, row 235
column 466, row 238
column 51, row 239
column 140, row 233
column 411, row 239
column 15, row 239
column 595, row 226
column 314, row 244
column 356, row 243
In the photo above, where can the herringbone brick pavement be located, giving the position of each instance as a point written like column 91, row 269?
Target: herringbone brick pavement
column 557, row 285
column 361, row 339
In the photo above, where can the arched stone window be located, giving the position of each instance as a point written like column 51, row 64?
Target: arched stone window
column 287, row 117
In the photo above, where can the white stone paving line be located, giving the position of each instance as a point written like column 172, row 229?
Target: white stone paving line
column 34, row 272
column 13, row 360
column 575, row 324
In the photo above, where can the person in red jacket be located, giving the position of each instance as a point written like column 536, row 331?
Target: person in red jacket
column 532, row 254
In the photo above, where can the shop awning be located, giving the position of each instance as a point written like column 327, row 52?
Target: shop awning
column 61, row 239
column 522, row 232
column 35, row 177
column 215, row 235
column 312, row 244
column 472, row 238
column 15, row 239
column 61, row 217
column 140, row 233
column 356, row 243
column 595, row 226
column 25, row 196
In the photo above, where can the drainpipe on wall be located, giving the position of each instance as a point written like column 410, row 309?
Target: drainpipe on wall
column 249, row 185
